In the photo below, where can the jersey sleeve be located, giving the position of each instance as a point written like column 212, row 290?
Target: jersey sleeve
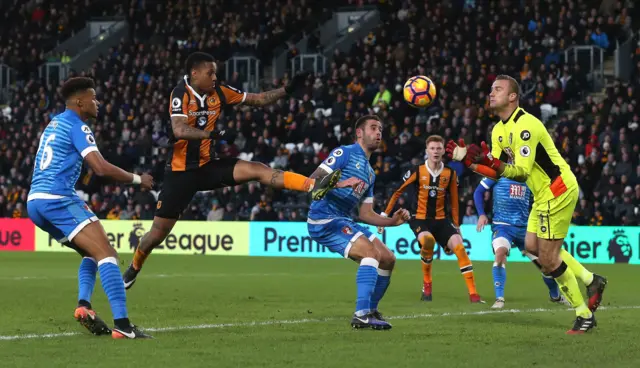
column 409, row 177
column 337, row 160
column 487, row 183
column 179, row 102
column 478, row 196
column 83, row 139
column 527, row 136
column 232, row 95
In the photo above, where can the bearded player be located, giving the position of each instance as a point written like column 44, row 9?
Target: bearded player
column 330, row 221
column 537, row 162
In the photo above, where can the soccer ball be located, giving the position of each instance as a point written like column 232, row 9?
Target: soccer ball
column 419, row 91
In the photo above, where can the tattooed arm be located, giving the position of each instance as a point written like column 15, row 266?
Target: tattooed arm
column 264, row 98
column 183, row 131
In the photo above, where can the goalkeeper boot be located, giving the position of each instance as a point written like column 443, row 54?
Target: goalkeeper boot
column 595, row 291
column 90, row 320
column 324, row 185
column 129, row 276
column 583, row 325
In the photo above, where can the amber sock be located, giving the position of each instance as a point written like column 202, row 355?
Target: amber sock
column 301, row 183
column 138, row 259
column 466, row 268
column 427, row 243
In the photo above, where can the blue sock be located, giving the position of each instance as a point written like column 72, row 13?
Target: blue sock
column 499, row 279
column 554, row 292
column 384, row 278
column 365, row 282
column 86, row 278
column 113, row 286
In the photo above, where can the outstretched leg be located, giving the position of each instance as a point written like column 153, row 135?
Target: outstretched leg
column 245, row 171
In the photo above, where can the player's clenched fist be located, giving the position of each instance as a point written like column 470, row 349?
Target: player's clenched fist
column 401, row 216
column 146, row 181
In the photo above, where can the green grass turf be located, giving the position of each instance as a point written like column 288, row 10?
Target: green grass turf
column 301, row 309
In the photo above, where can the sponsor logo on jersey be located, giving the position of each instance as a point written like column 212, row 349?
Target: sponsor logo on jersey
column 517, row 191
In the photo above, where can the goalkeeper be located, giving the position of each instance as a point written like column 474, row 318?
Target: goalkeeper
column 536, row 161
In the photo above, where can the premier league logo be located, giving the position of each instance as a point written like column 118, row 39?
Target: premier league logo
column 620, row 248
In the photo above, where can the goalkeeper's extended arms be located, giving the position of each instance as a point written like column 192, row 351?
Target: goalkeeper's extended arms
column 492, row 167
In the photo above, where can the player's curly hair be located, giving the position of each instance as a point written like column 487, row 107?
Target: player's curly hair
column 76, row 85
column 196, row 59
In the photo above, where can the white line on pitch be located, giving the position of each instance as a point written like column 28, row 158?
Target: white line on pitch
column 311, row 320
column 198, row 275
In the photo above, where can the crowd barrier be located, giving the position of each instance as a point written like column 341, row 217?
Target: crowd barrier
column 588, row 244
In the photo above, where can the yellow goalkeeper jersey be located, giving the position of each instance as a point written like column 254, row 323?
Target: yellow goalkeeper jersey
column 531, row 156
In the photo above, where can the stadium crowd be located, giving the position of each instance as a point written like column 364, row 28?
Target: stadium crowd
column 461, row 45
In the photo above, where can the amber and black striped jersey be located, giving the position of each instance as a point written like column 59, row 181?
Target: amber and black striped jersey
column 202, row 113
column 436, row 193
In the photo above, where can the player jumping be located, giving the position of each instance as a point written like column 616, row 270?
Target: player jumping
column 510, row 212
column 435, row 183
column 537, row 162
column 54, row 206
column 196, row 103
column 330, row 222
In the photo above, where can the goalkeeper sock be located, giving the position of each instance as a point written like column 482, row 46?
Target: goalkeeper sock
column 86, row 280
column 466, row 268
column 427, row 243
column 499, row 279
column 365, row 283
column 570, row 289
column 382, row 284
column 576, row 267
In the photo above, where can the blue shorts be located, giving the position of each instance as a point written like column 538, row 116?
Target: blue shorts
column 514, row 235
column 62, row 218
column 338, row 235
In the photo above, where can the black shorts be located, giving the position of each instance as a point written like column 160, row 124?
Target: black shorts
column 180, row 186
column 442, row 230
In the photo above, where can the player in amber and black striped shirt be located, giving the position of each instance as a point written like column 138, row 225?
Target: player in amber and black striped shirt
column 195, row 105
column 437, row 215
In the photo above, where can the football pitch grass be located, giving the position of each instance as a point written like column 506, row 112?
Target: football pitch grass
column 276, row 312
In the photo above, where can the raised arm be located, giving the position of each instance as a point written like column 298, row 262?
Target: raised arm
column 265, row 98
column 270, row 97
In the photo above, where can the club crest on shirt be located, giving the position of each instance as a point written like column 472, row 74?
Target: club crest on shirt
column 347, row 230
